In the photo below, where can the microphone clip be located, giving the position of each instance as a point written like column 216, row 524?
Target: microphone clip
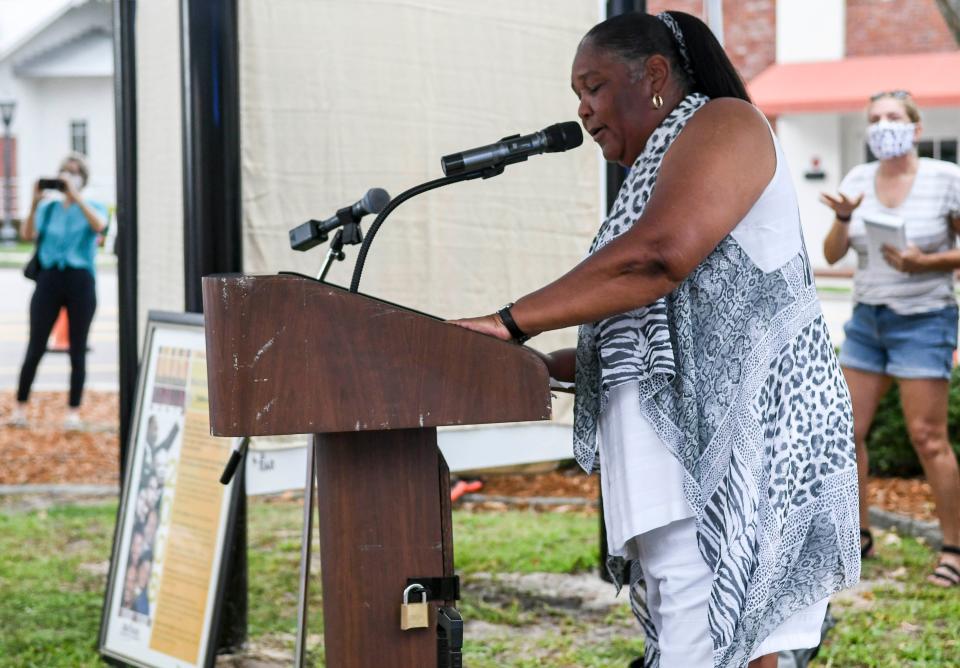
column 497, row 169
column 349, row 232
column 494, row 170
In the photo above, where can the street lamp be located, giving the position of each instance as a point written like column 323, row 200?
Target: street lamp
column 7, row 233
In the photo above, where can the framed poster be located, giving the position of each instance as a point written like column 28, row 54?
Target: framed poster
column 175, row 519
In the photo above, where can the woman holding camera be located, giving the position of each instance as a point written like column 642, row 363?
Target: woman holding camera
column 66, row 230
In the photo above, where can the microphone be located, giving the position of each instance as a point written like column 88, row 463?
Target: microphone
column 554, row 139
column 309, row 234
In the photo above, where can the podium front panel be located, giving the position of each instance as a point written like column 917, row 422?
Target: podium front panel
column 384, row 509
column 291, row 355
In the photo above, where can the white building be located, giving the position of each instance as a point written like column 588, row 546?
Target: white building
column 61, row 77
column 816, row 93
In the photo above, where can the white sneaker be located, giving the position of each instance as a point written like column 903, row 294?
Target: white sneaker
column 72, row 421
column 18, row 418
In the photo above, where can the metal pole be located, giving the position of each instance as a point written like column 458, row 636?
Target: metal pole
column 211, row 143
column 125, row 100
column 212, row 226
column 7, row 233
column 306, row 543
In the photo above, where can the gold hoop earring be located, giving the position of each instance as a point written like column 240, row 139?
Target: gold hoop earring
column 657, row 101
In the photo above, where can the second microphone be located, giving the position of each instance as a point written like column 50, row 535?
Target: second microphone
column 309, row 234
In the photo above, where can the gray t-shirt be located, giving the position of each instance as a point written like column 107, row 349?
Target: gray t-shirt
column 933, row 199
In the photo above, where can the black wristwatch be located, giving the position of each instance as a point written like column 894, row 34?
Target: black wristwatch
column 516, row 333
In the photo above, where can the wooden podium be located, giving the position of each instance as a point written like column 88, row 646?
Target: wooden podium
column 372, row 381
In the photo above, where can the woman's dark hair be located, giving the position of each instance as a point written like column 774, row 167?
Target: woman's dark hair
column 635, row 35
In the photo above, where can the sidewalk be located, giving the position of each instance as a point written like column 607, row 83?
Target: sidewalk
column 54, row 372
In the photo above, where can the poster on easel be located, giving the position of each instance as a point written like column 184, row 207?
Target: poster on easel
column 174, row 520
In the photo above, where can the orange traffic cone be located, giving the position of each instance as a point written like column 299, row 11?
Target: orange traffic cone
column 462, row 487
column 59, row 341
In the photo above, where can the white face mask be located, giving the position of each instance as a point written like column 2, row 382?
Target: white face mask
column 889, row 139
column 74, row 179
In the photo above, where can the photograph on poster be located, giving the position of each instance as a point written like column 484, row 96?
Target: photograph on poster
column 154, row 468
column 173, row 522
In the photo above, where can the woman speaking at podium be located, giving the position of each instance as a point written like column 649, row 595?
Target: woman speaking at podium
column 707, row 391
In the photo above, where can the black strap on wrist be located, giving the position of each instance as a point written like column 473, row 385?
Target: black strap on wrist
column 843, row 219
column 506, row 318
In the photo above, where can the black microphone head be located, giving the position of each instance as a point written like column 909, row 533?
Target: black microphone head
column 563, row 136
column 375, row 200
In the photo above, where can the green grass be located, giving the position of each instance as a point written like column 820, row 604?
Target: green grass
column 903, row 621
column 51, row 591
column 49, row 602
column 551, row 543
column 17, row 247
column 11, row 255
column 835, row 289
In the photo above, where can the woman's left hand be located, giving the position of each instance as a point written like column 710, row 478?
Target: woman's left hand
column 487, row 324
column 910, row 260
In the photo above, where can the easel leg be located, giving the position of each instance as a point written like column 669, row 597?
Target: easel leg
column 305, row 544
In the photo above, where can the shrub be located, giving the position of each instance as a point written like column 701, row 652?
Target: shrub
column 888, row 444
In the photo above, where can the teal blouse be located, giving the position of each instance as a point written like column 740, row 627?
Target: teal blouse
column 68, row 240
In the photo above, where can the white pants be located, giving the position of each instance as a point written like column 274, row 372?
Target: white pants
column 678, row 591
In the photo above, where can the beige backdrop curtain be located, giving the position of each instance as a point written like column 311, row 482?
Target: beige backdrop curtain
column 338, row 96
column 159, row 160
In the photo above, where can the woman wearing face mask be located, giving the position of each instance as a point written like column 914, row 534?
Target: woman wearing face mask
column 66, row 228
column 904, row 323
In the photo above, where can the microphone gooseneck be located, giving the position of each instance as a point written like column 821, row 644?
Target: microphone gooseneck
column 484, row 162
column 394, row 203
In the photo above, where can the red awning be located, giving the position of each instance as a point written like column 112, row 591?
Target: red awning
column 845, row 85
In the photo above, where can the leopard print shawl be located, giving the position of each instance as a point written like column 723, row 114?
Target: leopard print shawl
column 739, row 378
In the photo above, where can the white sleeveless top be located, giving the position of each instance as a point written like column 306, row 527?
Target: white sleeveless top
column 641, row 481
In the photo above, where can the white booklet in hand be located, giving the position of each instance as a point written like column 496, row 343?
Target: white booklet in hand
column 883, row 229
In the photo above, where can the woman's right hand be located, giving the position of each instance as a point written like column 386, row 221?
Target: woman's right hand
column 842, row 206
column 37, row 194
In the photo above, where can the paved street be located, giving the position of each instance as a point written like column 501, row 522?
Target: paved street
column 54, row 372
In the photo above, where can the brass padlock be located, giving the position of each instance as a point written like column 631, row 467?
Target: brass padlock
column 414, row 615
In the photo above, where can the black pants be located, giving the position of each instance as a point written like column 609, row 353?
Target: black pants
column 75, row 289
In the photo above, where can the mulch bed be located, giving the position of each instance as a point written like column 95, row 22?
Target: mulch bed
column 44, row 453
column 904, row 496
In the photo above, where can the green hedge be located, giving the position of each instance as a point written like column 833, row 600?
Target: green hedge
column 888, row 444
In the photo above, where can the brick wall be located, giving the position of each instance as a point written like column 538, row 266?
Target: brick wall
column 876, row 27
column 749, row 29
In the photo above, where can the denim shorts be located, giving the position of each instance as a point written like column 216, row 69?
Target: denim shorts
column 882, row 341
